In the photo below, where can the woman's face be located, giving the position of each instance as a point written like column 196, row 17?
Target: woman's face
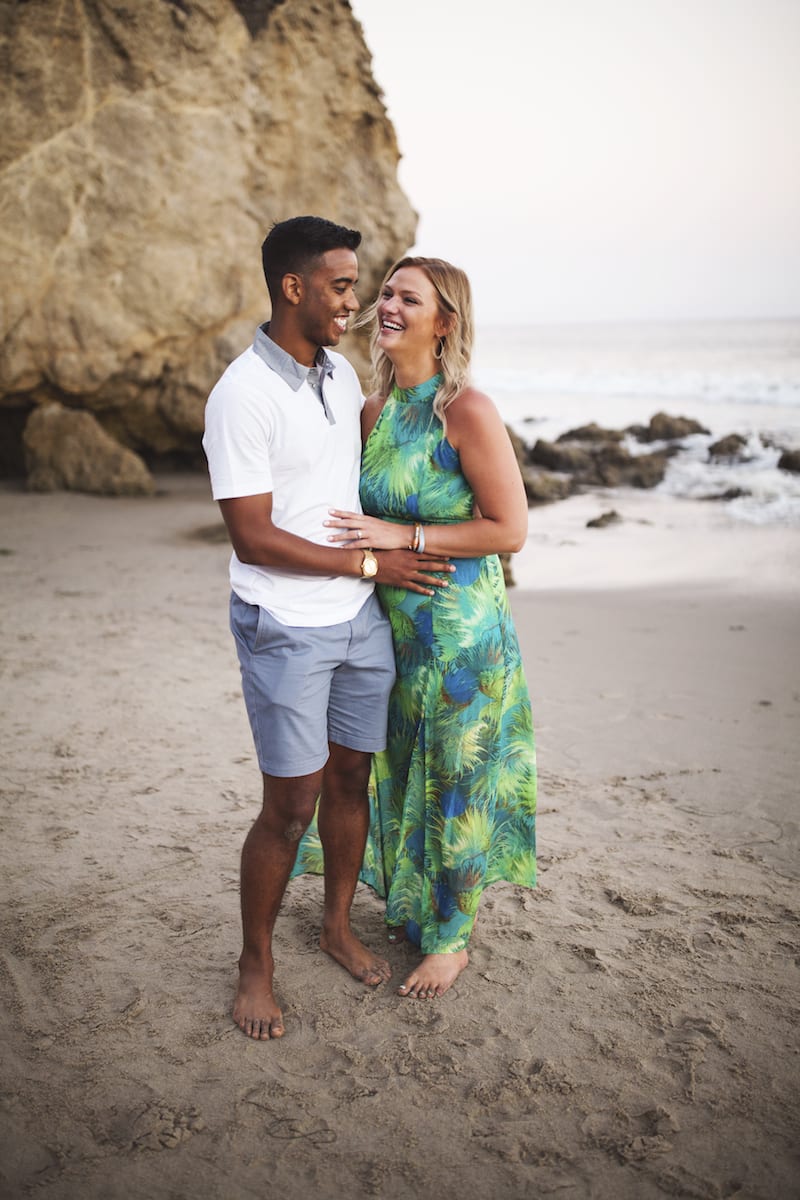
column 409, row 320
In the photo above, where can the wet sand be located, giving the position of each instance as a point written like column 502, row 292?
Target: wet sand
column 625, row 1031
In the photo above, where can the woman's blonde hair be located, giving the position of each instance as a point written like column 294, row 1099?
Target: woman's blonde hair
column 455, row 305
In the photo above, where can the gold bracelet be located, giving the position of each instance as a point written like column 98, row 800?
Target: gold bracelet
column 417, row 534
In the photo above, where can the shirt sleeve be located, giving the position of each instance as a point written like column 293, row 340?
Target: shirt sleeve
column 236, row 442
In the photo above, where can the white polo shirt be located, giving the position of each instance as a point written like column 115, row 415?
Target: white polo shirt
column 266, row 430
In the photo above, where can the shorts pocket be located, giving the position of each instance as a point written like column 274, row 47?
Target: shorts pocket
column 244, row 620
column 272, row 635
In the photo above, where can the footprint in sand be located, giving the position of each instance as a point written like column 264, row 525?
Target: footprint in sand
column 161, row 1128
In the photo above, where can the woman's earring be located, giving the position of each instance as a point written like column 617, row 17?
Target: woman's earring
column 438, row 353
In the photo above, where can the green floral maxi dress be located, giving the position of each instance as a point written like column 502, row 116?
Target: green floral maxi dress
column 454, row 794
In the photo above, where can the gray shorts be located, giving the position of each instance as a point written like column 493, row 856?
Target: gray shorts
column 305, row 687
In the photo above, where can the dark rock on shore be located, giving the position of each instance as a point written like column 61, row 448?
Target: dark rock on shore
column 790, row 461
column 732, row 493
column 556, row 457
column 611, row 517
column 541, row 487
column 730, row 447
column 591, row 433
column 664, row 428
column 606, row 464
column 644, row 470
column 592, row 456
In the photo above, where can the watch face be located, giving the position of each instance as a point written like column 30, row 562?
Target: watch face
column 369, row 565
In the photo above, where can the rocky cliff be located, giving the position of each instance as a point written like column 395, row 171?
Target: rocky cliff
column 146, row 148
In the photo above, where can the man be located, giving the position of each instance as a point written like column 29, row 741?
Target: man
column 283, row 444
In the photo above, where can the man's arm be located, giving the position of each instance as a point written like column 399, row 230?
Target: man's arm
column 259, row 542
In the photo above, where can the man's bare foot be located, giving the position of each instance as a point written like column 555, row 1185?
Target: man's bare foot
column 355, row 957
column 434, row 975
column 255, row 1010
column 396, row 933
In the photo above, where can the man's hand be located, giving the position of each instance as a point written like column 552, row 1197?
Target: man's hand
column 413, row 571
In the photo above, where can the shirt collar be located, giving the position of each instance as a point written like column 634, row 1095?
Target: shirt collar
column 283, row 364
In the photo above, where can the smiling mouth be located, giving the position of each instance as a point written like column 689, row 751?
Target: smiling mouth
column 391, row 327
column 341, row 324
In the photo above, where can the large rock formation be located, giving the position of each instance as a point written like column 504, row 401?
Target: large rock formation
column 146, row 149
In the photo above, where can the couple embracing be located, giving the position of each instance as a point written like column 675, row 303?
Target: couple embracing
column 380, row 666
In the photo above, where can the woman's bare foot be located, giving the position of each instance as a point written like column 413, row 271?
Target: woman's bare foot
column 434, row 975
column 355, row 957
column 255, row 1010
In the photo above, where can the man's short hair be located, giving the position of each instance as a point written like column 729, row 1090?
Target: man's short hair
column 292, row 246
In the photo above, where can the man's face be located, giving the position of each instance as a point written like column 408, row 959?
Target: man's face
column 329, row 298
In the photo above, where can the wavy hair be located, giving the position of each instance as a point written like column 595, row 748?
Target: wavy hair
column 455, row 305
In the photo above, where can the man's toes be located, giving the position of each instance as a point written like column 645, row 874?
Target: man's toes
column 375, row 974
column 261, row 1030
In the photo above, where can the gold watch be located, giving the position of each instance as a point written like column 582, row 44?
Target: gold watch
column 369, row 565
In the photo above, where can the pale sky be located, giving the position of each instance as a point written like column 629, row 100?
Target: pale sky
column 601, row 159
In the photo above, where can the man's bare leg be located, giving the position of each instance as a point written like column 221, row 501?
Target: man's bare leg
column 343, row 822
column 268, row 856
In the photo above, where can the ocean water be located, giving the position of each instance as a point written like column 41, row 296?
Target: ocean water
column 732, row 377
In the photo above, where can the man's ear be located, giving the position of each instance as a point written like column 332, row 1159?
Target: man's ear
column 292, row 288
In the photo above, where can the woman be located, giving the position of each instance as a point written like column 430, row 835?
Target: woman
column 455, row 790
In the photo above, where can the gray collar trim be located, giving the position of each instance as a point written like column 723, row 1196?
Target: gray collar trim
column 282, row 363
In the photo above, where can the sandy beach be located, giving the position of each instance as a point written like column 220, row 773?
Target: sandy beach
column 626, row 1031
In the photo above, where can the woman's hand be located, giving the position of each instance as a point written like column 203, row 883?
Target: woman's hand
column 356, row 529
